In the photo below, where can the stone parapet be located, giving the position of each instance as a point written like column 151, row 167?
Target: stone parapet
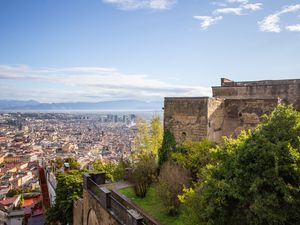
column 107, row 207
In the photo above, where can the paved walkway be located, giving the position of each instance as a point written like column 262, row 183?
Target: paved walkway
column 117, row 185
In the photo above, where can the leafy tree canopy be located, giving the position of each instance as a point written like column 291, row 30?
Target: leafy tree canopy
column 149, row 137
column 196, row 156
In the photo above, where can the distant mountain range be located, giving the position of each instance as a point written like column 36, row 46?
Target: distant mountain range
column 105, row 105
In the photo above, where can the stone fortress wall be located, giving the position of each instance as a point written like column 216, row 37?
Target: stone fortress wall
column 186, row 117
column 235, row 106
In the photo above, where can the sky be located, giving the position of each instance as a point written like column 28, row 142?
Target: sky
column 100, row 50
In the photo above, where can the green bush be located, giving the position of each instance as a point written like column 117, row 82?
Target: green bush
column 196, row 156
column 73, row 163
column 144, row 172
column 113, row 171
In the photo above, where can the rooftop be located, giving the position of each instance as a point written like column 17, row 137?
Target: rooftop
column 8, row 201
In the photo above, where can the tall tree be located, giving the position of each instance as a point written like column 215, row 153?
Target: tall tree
column 167, row 148
column 149, row 137
column 142, row 144
column 148, row 141
column 156, row 134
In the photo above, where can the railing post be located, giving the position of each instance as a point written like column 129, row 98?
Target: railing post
column 98, row 178
column 105, row 198
column 86, row 176
column 134, row 217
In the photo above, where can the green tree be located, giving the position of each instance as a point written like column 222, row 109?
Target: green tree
column 196, row 156
column 144, row 172
column 147, row 143
column 149, row 137
column 113, row 171
column 68, row 190
column 74, row 164
column 257, row 179
column 142, row 139
column 168, row 147
column 156, row 136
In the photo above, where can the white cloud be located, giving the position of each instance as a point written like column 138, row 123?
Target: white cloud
column 235, row 11
column 207, row 21
column 295, row 28
column 290, row 8
column 238, row 1
column 246, row 5
column 271, row 23
column 220, row 4
column 142, row 4
column 253, row 6
column 243, row 7
column 86, row 84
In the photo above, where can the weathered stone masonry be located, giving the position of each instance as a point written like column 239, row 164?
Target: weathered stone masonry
column 235, row 106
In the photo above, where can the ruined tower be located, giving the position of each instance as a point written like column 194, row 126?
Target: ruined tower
column 235, row 106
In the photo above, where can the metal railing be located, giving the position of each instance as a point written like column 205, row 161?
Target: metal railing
column 119, row 210
column 94, row 188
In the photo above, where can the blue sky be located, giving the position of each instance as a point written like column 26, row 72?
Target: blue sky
column 79, row 50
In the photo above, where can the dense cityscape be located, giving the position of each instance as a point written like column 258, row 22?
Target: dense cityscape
column 29, row 139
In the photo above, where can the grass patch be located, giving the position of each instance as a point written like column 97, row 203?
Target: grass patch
column 152, row 205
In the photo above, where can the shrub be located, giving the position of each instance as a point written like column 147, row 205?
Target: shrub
column 17, row 191
column 143, row 174
column 74, row 164
column 196, row 156
column 113, row 171
column 172, row 179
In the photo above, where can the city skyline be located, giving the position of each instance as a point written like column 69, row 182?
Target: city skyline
column 102, row 50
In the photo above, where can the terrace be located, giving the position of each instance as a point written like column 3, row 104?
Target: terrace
column 120, row 208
